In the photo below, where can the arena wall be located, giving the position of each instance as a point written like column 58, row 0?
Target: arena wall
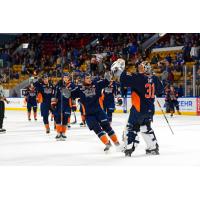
column 188, row 106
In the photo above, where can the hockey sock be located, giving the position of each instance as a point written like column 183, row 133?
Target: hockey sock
column 47, row 126
column 64, row 128
column 68, row 120
column 58, row 128
column 29, row 115
column 35, row 115
column 113, row 137
column 104, row 139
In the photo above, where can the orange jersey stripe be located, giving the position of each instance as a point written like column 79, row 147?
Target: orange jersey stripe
column 83, row 108
column 40, row 98
column 101, row 99
column 135, row 101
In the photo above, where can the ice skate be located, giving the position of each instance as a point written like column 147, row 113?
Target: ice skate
column 128, row 152
column 68, row 126
column 58, row 137
column 154, row 151
column 107, row 148
column 63, row 137
column 48, row 130
column 2, row 130
column 82, row 124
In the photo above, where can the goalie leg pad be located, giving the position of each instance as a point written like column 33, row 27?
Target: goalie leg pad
column 149, row 137
column 131, row 136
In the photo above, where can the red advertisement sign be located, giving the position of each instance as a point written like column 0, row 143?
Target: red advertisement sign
column 198, row 106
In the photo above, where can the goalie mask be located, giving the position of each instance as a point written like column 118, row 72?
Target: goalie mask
column 145, row 67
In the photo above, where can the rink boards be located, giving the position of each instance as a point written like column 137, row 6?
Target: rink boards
column 188, row 106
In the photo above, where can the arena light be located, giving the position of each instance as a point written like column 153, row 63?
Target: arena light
column 162, row 34
column 25, row 45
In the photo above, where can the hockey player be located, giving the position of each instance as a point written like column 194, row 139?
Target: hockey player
column 31, row 100
column 144, row 86
column 96, row 119
column 61, row 105
column 45, row 93
column 82, row 111
column 108, row 98
column 2, row 109
column 172, row 100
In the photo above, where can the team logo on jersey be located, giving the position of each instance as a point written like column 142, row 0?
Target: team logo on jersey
column 32, row 94
column 89, row 91
column 48, row 90
column 66, row 93
column 109, row 90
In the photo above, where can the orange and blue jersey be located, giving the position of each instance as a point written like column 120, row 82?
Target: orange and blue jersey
column 144, row 88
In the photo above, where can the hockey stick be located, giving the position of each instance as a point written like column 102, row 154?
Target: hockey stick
column 165, row 117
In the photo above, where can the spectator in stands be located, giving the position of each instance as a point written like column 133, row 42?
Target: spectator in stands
column 172, row 41
column 198, row 73
column 194, row 53
column 186, row 52
column 180, row 91
column 93, row 65
column 168, row 58
column 155, row 59
column 170, row 77
column 58, row 62
column 164, row 77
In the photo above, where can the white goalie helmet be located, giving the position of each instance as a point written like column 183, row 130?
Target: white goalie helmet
column 118, row 67
column 147, row 67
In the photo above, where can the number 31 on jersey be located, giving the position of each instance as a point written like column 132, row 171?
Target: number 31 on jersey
column 150, row 90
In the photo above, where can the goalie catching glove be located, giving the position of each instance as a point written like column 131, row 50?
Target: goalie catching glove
column 118, row 67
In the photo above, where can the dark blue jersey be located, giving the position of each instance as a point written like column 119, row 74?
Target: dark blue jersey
column 143, row 90
column 109, row 93
column 31, row 95
column 89, row 95
column 46, row 91
column 63, row 95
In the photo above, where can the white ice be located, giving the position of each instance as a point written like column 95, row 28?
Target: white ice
column 26, row 143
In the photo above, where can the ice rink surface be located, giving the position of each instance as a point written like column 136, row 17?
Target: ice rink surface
column 26, row 143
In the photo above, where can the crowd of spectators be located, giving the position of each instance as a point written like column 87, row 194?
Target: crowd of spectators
column 95, row 53
column 190, row 43
column 48, row 52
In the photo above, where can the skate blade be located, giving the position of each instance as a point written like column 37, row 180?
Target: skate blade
column 153, row 154
column 61, row 139
column 108, row 151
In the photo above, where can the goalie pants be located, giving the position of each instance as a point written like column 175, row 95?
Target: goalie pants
column 140, row 122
